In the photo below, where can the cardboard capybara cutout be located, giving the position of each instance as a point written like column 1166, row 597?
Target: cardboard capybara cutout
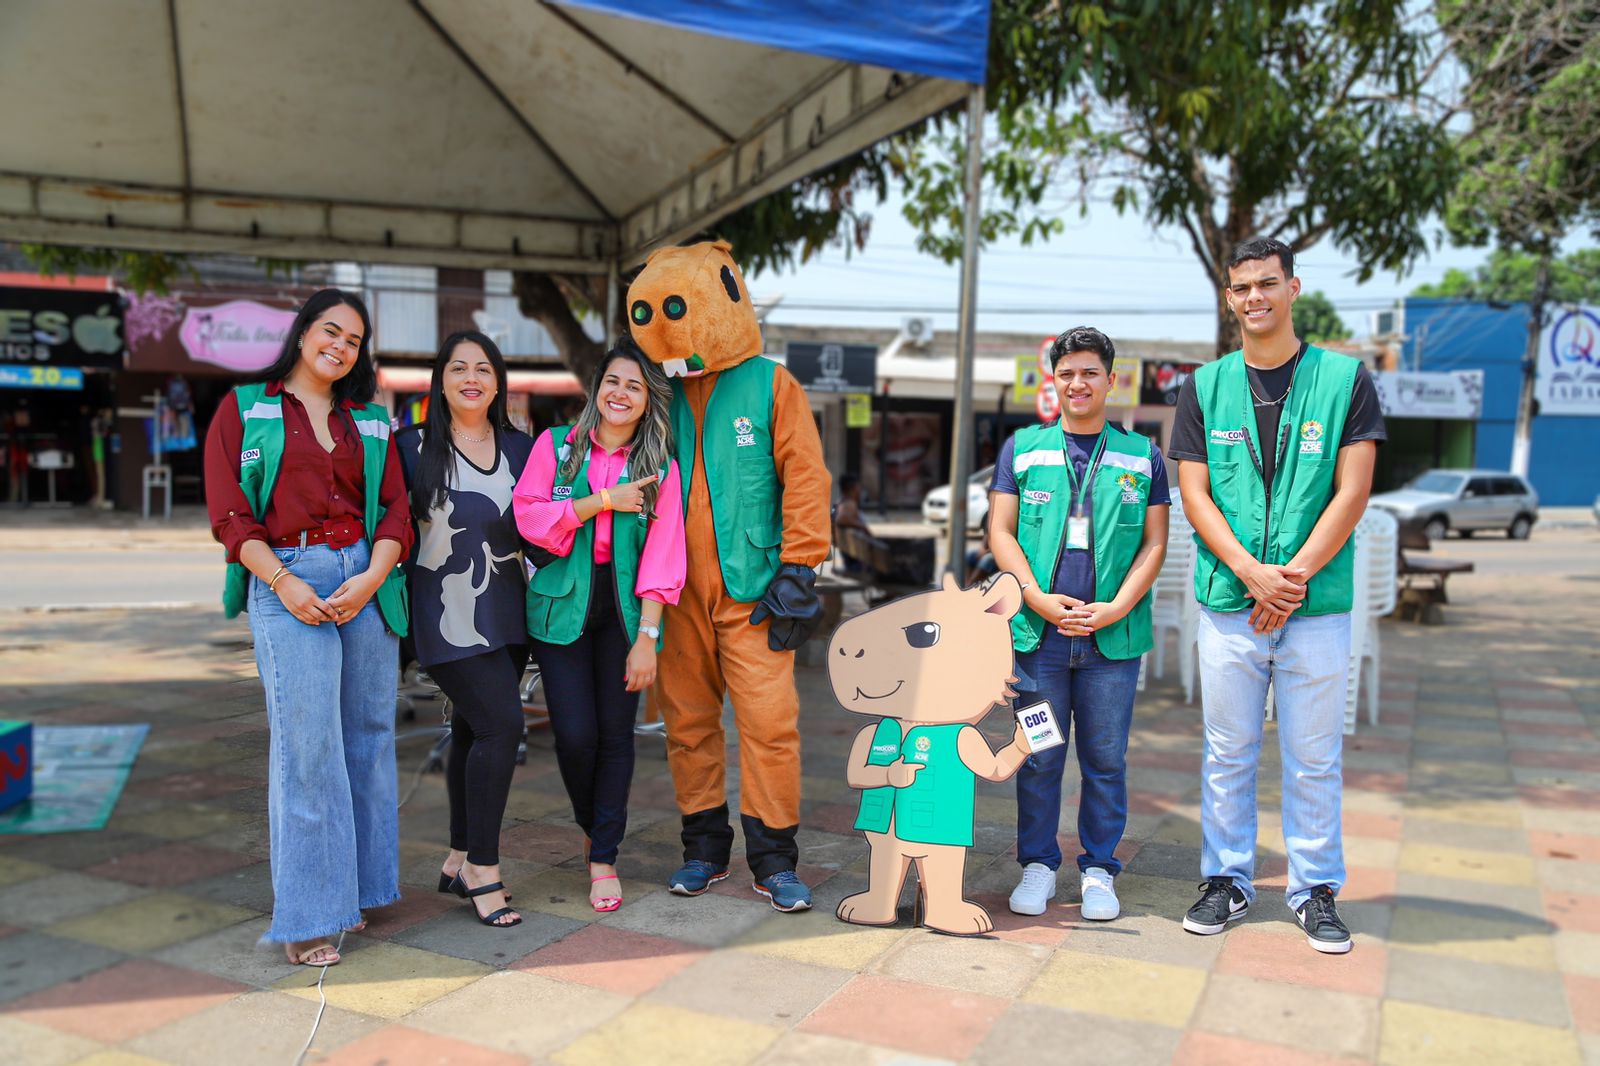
column 931, row 666
column 689, row 310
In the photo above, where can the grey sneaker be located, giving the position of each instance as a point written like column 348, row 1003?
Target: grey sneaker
column 1320, row 919
column 1035, row 891
column 1099, row 896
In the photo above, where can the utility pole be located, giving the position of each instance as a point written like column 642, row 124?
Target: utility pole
column 1522, row 438
column 966, row 340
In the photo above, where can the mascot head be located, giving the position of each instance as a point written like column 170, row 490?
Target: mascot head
column 689, row 311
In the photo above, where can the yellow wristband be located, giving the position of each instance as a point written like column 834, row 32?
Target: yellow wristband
column 605, row 500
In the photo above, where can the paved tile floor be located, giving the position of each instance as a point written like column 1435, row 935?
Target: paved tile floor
column 1472, row 814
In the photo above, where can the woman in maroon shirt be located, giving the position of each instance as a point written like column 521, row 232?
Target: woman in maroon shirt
column 327, row 659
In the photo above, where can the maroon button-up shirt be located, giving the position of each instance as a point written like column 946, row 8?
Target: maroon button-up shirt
column 314, row 485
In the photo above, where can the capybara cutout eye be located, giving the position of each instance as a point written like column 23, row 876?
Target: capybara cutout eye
column 674, row 307
column 641, row 313
column 730, row 284
column 922, row 635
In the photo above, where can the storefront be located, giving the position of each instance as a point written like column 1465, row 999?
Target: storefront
column 1432, row 419
column 535, row 399
column 61, row 347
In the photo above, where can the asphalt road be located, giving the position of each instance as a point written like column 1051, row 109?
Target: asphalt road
column 79, row 578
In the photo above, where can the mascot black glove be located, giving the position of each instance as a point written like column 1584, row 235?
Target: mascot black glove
column 791, row 602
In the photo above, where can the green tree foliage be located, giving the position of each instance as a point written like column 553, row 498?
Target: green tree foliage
column 1508, row 277
column 1316, row 320
column 140, row 271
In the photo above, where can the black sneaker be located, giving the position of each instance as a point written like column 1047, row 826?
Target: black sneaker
column 1320, row 919
column 1221, row 901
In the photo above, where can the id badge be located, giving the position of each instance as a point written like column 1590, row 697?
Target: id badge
column 1078, row 532
column 1039, row 727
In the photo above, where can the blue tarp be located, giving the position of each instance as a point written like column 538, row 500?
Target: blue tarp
column 941, row 38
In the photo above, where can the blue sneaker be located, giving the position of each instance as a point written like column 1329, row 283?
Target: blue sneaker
column 694, row 877
column 786, row 891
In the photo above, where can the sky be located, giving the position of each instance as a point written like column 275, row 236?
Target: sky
column 1107, row 270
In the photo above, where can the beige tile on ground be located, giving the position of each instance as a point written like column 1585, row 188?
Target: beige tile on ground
column 1467, row 864
column 256, row 1028
column 1415, row 1035
column 1568, row 876
column 15, row 871
column 969, row 964
column 58, row 897
column 1578, row 952
column 1138, row 990
column 828, row 943
column 402, row 1044
column 1030, row 1033
column 1199, row 1048
column 640, row 1033
column 235, row 953
column 386, row 980
column 618, row 960
column 118, row 1057
column 564, row 892
column 125, row 1000
column 1507, row 812
column 152, row 922
column 520, row 1013
column 795, row 1048
column 1505, row 937
column 1334, row 1023
column 1484, row 896
column 40, row 1045
column 760, row 989
column 1156, row 937
column 710, row 920
column 1511, row 992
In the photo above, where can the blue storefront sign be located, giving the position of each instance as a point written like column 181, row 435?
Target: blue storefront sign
column 13, row 376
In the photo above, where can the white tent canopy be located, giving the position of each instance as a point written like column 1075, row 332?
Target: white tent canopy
column 481, row 133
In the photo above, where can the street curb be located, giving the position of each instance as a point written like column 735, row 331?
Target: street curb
column 62, row 608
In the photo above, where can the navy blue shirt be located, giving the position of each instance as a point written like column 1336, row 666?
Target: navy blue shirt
column 1074, row 574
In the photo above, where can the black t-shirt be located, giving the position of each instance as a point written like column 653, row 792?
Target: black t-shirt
column 1364, row 422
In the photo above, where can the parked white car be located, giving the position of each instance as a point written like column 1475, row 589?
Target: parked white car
column 1464, row 501
column 936, row 504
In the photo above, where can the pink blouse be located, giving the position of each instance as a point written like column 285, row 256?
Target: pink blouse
column 552, row 524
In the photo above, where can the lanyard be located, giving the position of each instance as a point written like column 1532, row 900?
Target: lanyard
column 1079, row 494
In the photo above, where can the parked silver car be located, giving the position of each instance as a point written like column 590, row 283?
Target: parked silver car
column 1464, row 501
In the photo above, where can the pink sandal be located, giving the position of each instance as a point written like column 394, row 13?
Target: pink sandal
column 606, row 904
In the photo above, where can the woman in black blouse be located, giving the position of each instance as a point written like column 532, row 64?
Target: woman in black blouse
column 467, row 606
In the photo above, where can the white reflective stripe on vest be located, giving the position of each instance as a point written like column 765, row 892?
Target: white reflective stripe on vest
column 370, row 427
column 261, row 409
column 1137, row 463
column 1043, row 457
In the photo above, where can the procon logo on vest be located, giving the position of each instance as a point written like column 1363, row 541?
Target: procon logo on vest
column 1227, row 436
column 1036, row 495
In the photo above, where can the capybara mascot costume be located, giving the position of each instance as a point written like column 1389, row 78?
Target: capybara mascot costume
column 756, row 518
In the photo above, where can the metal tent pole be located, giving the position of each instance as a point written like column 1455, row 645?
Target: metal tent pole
column 966, row 338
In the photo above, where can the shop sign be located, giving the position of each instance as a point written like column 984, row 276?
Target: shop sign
column 1430, row 394
column 67, row 378
column 240, row 335
column 1163, row 380
column 1124, row 393
column 857, row 411
column 60, row 327
column 833, row 367
column 1568, row 379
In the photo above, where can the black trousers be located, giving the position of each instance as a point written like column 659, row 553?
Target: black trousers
column 485, row 729
column 591, row 715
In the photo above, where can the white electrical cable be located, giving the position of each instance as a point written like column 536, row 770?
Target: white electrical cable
column 304, row 1051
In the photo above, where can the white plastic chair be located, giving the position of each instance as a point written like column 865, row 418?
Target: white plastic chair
column 1175, row 606
column 1376, row 580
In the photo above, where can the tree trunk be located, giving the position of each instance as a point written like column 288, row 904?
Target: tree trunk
column 1229, row 337
column 549, row 300
column 1522, row 437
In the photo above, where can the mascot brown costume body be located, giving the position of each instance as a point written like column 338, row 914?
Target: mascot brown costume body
column 756, row 524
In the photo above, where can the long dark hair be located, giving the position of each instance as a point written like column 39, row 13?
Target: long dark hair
column 436, row 465
column 651, row 449
column 361, row 383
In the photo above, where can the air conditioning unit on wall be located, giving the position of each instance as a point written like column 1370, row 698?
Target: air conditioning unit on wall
column 916, row 332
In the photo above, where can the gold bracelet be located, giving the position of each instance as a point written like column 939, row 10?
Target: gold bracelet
column 605, row 499
column 276, row 577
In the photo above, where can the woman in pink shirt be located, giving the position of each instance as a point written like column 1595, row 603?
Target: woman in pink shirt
column 603, row 499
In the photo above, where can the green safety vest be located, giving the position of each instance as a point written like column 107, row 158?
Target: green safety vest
column 1116, row 527
column 741, row 478
column 260, row 457
column 1302, row 484
column 558, row 596
column 937, row 807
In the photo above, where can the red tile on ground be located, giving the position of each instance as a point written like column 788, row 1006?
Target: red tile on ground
column 1364, row 824
column 1378, row 745
column 1209, row 1049
column 1369, row 884
column 397, row 1044
column 1526, row 704
column 192, row 785
column 618, row 960
column 1049, row 929
column 1583, row 996
column 1145, row 802
column 8, row 930
column 1272, row 868
column 541, row 842
column 1395, row 718
column 1546, row 729
column 1376, row 780
column 1576, row 846
column 1555, row 760
column 124, row 1001
column 1561, row 799
column 1572, row 912
column 415, row 906
column 170, row 865
column 1286, row 959
column 1185, row 762
column 937, row 1022
column 832, row 818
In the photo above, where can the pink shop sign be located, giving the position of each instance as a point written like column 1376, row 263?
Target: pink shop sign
column 239, row 335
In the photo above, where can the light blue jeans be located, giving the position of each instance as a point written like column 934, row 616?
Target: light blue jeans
column 331, row 786
column 1305, row 662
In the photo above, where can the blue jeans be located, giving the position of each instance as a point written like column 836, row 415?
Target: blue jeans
column 1091, row 696
column 331, row 787
column 1306, row 662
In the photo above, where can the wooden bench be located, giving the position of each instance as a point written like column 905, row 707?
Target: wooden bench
column 1423, row 581
column 890, row 566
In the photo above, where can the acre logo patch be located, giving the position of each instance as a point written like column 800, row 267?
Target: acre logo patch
column 1311, row 437
column 744, row 431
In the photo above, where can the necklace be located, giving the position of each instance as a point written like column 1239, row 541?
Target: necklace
column 1261, row 401
column 472, row 440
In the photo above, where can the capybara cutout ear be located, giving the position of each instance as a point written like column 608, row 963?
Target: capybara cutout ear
column 1003, row 595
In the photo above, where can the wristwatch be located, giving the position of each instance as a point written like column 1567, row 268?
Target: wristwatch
column 648, row 630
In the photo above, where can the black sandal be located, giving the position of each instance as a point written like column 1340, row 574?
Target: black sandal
column 459, row 887
column 447, row 883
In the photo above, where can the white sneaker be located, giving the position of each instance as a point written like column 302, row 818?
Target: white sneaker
column 1035, row 891
column 1099, row 896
